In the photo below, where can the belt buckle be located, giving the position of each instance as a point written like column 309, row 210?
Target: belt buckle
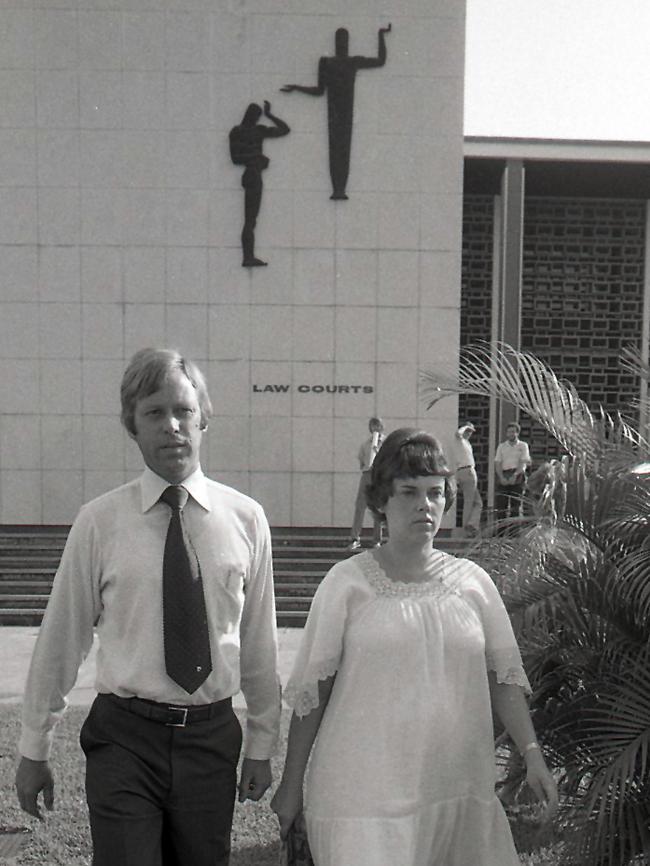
column 183, row 722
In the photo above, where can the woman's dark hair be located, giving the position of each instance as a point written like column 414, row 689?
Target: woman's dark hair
column 407, row 453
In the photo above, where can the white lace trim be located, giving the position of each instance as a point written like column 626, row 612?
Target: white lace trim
column 302, row 697
column 436, row 586
column 506, row 663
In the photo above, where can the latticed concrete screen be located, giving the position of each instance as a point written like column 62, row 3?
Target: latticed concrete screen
column 582, row 301
column 582, row 298
column 475, row 316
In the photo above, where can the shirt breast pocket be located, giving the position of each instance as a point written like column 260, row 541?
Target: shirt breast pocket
column 224, row 590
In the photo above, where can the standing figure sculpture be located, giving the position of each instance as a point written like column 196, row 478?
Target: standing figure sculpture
column 336, row 75
column 246, row 142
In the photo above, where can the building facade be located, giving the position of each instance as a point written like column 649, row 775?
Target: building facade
column 148, row 149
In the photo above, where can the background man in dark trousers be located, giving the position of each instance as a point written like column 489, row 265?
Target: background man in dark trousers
column 367, row 453
column 174, row 572
column 511, row 462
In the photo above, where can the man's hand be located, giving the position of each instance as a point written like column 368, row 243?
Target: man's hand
column 255, row 779
column 32, row 777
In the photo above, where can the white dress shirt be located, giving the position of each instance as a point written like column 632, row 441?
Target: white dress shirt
column 513, row 455
column 110, row 578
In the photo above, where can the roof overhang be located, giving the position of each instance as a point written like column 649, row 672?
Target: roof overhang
column 557, row 167
column 550, row 149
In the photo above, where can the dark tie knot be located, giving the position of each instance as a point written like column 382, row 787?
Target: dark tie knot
column 175, row 496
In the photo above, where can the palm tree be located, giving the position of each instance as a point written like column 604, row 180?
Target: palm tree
column 577, row 585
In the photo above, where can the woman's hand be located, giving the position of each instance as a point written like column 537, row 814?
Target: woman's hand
column 287, row 805
column 540, row 779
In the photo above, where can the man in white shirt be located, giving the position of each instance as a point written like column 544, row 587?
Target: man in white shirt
column 367, row 453
column 511, row 461
column 465, row 469
column 161, row 757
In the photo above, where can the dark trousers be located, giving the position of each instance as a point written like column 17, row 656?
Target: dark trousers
column 360, row 505
column 159, row 795
column 507, row 498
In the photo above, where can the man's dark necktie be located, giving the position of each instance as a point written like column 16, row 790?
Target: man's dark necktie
column 185, row 622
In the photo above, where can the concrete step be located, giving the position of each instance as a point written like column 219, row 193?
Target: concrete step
column 21, row 616
column 292, row 601
column 28, row 587
column 32, row 601
column 289, row 618
column 302, row 556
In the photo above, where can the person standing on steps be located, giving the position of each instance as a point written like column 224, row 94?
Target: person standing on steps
column 366, row 456
column 173, row 572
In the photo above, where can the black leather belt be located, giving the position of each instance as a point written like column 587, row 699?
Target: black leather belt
column 464, row 467
column 173, row 715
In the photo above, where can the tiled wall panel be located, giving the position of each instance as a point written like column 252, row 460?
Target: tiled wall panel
column 120, row 221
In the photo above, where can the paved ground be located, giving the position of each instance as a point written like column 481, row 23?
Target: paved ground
column 17, row 642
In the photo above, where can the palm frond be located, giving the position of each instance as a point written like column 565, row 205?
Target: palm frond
column 632, row 361
column 498, row 370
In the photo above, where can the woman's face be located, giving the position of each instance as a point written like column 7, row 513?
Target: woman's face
column 415, row 508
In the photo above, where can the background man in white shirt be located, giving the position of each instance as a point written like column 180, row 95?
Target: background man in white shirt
column 511, row 461
column 463, row 457
column 161, row 757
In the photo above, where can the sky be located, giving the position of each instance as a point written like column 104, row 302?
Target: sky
column 577, row 69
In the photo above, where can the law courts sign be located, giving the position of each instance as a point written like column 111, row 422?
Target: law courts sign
column 276, row 388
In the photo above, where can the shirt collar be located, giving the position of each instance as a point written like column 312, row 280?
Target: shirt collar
column 152, row 487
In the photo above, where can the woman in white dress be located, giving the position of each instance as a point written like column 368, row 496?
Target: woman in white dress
column 406, row 652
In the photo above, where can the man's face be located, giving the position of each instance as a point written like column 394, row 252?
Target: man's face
column 511, row 434
column 168, row 428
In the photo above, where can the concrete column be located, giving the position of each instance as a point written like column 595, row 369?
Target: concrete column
column 508, row 308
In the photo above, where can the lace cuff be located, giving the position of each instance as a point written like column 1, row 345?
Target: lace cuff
column 508, row 667
column 302, row 696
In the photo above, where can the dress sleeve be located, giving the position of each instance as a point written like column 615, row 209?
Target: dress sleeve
column 502, row 654
column 321, row 647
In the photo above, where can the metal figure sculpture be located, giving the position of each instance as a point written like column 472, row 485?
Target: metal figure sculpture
column 246, row 141
column 336, row 76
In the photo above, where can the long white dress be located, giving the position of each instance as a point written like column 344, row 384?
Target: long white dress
column 402, row 772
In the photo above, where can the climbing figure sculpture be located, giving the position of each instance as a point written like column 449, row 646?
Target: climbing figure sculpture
column 336, row 75
column 246, row 142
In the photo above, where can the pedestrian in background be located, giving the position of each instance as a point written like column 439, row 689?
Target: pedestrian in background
column 511, row 463
column 462, row 456
column 366, row 456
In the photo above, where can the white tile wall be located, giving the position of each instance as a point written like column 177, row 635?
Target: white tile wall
column 20, row 441
column 59, row 215
column 271, row 444
column 18, row 273
column 17, row 98
column 120, row 222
